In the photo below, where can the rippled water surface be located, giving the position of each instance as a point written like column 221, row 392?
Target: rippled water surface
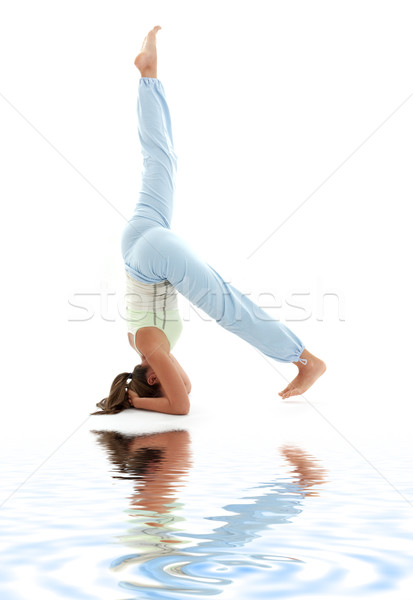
column 170, row 515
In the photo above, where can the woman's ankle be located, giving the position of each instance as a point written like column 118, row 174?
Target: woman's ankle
column 305, row 358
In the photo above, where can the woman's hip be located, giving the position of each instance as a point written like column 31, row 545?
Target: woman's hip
column 144, row 250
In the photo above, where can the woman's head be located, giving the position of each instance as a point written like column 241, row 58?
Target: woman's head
column 142, row 380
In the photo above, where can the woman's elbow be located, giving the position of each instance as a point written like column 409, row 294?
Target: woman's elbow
column 182, row 409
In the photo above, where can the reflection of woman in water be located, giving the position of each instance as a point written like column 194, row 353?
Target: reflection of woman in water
column 159, row 264
column 155, row 499
column 155, row 461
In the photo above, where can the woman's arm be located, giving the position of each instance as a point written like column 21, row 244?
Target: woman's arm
column 162, row 404
column 174, row 398
column 182, row 373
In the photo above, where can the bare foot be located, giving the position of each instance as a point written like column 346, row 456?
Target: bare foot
column 146, row 61
column 307, row 375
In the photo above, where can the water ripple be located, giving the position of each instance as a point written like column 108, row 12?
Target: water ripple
column 212, row 560
column 168, row 522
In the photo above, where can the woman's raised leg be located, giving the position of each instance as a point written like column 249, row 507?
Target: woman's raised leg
column 155, row 134
column 156, row 198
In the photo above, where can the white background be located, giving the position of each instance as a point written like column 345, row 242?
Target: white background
column 270, row 100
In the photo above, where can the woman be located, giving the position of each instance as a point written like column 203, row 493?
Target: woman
column 159, row 264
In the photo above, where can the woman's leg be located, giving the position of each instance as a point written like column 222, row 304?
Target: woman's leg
column 156, row 198
column 200, row 283
column 159, row 159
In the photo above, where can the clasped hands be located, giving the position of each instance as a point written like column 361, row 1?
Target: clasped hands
column 131, row 397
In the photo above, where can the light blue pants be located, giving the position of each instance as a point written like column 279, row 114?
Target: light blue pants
column 152, row 252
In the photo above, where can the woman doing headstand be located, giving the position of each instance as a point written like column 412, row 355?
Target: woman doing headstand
column 159, row 264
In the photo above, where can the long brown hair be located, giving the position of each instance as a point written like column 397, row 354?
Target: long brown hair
column 118, row 395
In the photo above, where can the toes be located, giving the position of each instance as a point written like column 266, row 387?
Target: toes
column 155, row 30
column 286, row 389
column 294, row 392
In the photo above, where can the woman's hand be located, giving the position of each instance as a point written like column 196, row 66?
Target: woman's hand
column 132, row 396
